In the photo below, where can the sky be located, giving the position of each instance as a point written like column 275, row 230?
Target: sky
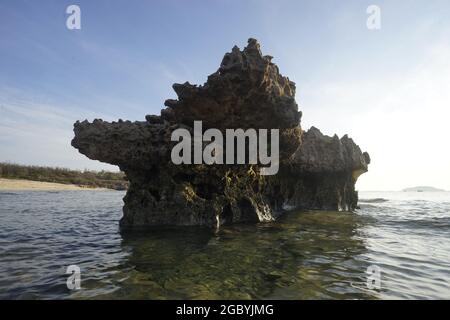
column 389, row 88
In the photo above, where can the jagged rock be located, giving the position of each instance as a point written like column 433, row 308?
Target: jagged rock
column 247, row 91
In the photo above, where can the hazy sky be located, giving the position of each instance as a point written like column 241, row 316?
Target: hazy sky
column 389, row 89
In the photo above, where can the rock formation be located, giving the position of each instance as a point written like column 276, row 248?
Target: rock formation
column 247, row 91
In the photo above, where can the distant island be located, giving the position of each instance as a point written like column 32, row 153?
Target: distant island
column 84, row 179
column 423, row 189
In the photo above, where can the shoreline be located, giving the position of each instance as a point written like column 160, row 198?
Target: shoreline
column 30, row 185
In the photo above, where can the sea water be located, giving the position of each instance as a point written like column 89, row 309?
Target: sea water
column 303, row 255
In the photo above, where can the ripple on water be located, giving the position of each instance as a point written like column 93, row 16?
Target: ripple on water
column 304, row 255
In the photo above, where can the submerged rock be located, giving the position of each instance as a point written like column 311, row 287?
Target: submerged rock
column 247, row 91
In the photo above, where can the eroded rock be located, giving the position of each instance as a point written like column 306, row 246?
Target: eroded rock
column 247, row 91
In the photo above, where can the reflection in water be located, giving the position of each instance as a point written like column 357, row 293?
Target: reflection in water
column 305, row 255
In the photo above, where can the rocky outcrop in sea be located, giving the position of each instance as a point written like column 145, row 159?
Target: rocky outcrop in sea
column 247, row 91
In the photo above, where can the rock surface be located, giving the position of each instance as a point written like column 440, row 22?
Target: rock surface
column 316, row 171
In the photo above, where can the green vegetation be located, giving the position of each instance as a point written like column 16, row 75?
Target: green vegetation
column 86, row 178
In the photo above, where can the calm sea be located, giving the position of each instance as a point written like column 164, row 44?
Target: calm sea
column 396, row 246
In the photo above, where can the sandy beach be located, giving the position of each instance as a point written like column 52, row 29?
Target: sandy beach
column 17, row 184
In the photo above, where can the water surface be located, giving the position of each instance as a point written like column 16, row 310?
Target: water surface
column 303, row 255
